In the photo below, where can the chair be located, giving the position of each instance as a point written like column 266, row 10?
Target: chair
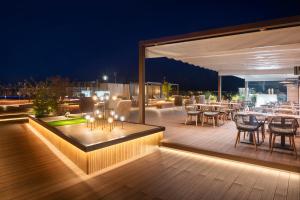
column 191, row 112
column 123, row 108
column 223, row 113
column 202, row 99
column 284, row 127
column 209, row 114
column 249, row 124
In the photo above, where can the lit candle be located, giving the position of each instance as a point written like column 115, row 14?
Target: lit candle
column 95, row 97
column 116, row 118
column 114, row 98
column 112, row 113
column 100, row 116
column 110, row 120
column 92, row 119
column 122, row 119
column 87, row 117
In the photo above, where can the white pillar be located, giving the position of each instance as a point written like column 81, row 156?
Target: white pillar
column 219, row 88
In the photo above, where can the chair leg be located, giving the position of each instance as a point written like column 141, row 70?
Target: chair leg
column 237, row 138
column 196, row 120
column 213, row 121
column 203, row 118
column 257, row 136
column 294, row 146
column 263, row 133
column 273, row 142
column 270, row 141
column 254, row 140
column 186, row 119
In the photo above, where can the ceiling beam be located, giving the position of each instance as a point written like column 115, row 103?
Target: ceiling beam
column 226, row 31
column 256, row 72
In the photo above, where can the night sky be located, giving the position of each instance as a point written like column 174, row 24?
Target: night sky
column 84, row 39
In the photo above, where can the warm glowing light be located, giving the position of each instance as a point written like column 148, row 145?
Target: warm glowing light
column 116, row 117
column 101, row 98
column 92, row 119
column 87, row 117
column 114, row 98
column 122, row 118
column 95, row 97
column 100, row 116
column 112, row 113
column 110, row 120
column 106, row 97
column 97, row 112
column 105, row 77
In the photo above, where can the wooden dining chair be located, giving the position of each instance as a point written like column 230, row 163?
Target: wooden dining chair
column 284, row 127
column 246, row 123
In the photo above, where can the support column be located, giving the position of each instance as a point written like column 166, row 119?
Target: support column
column 219, row 88
column 298, row 90
column 246, row 90
column 141, row 84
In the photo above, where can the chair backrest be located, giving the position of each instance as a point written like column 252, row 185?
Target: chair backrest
column 285, row 111
column 207, row 108
column 241, row 119
column 123, row 108
column 189, row 106
column 284, row 125
column 202, row 99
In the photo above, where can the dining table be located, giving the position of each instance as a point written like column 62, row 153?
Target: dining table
column 209, row 105
column 269, row 116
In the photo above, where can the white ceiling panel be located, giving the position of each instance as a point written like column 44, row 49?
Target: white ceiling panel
column 272, row 52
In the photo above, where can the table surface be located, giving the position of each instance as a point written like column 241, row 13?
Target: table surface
column 269, row 114
column 208, row 105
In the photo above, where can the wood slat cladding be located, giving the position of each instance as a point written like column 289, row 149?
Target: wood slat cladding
column 102, row 158
column 121, row 153
column 78, row 156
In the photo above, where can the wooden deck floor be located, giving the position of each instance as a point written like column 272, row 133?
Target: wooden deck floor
column 218, row 141
column 29, row 170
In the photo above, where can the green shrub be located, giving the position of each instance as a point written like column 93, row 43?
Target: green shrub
column 45, row 101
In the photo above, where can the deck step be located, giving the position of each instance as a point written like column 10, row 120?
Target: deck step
column 275, row 165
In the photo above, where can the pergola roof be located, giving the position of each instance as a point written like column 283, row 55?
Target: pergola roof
column 265, row 51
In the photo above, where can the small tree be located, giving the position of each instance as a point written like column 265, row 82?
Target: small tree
column 166, row 89
column 207, row 94
column 44, row 101
column 48, row 95
column 58, row 87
